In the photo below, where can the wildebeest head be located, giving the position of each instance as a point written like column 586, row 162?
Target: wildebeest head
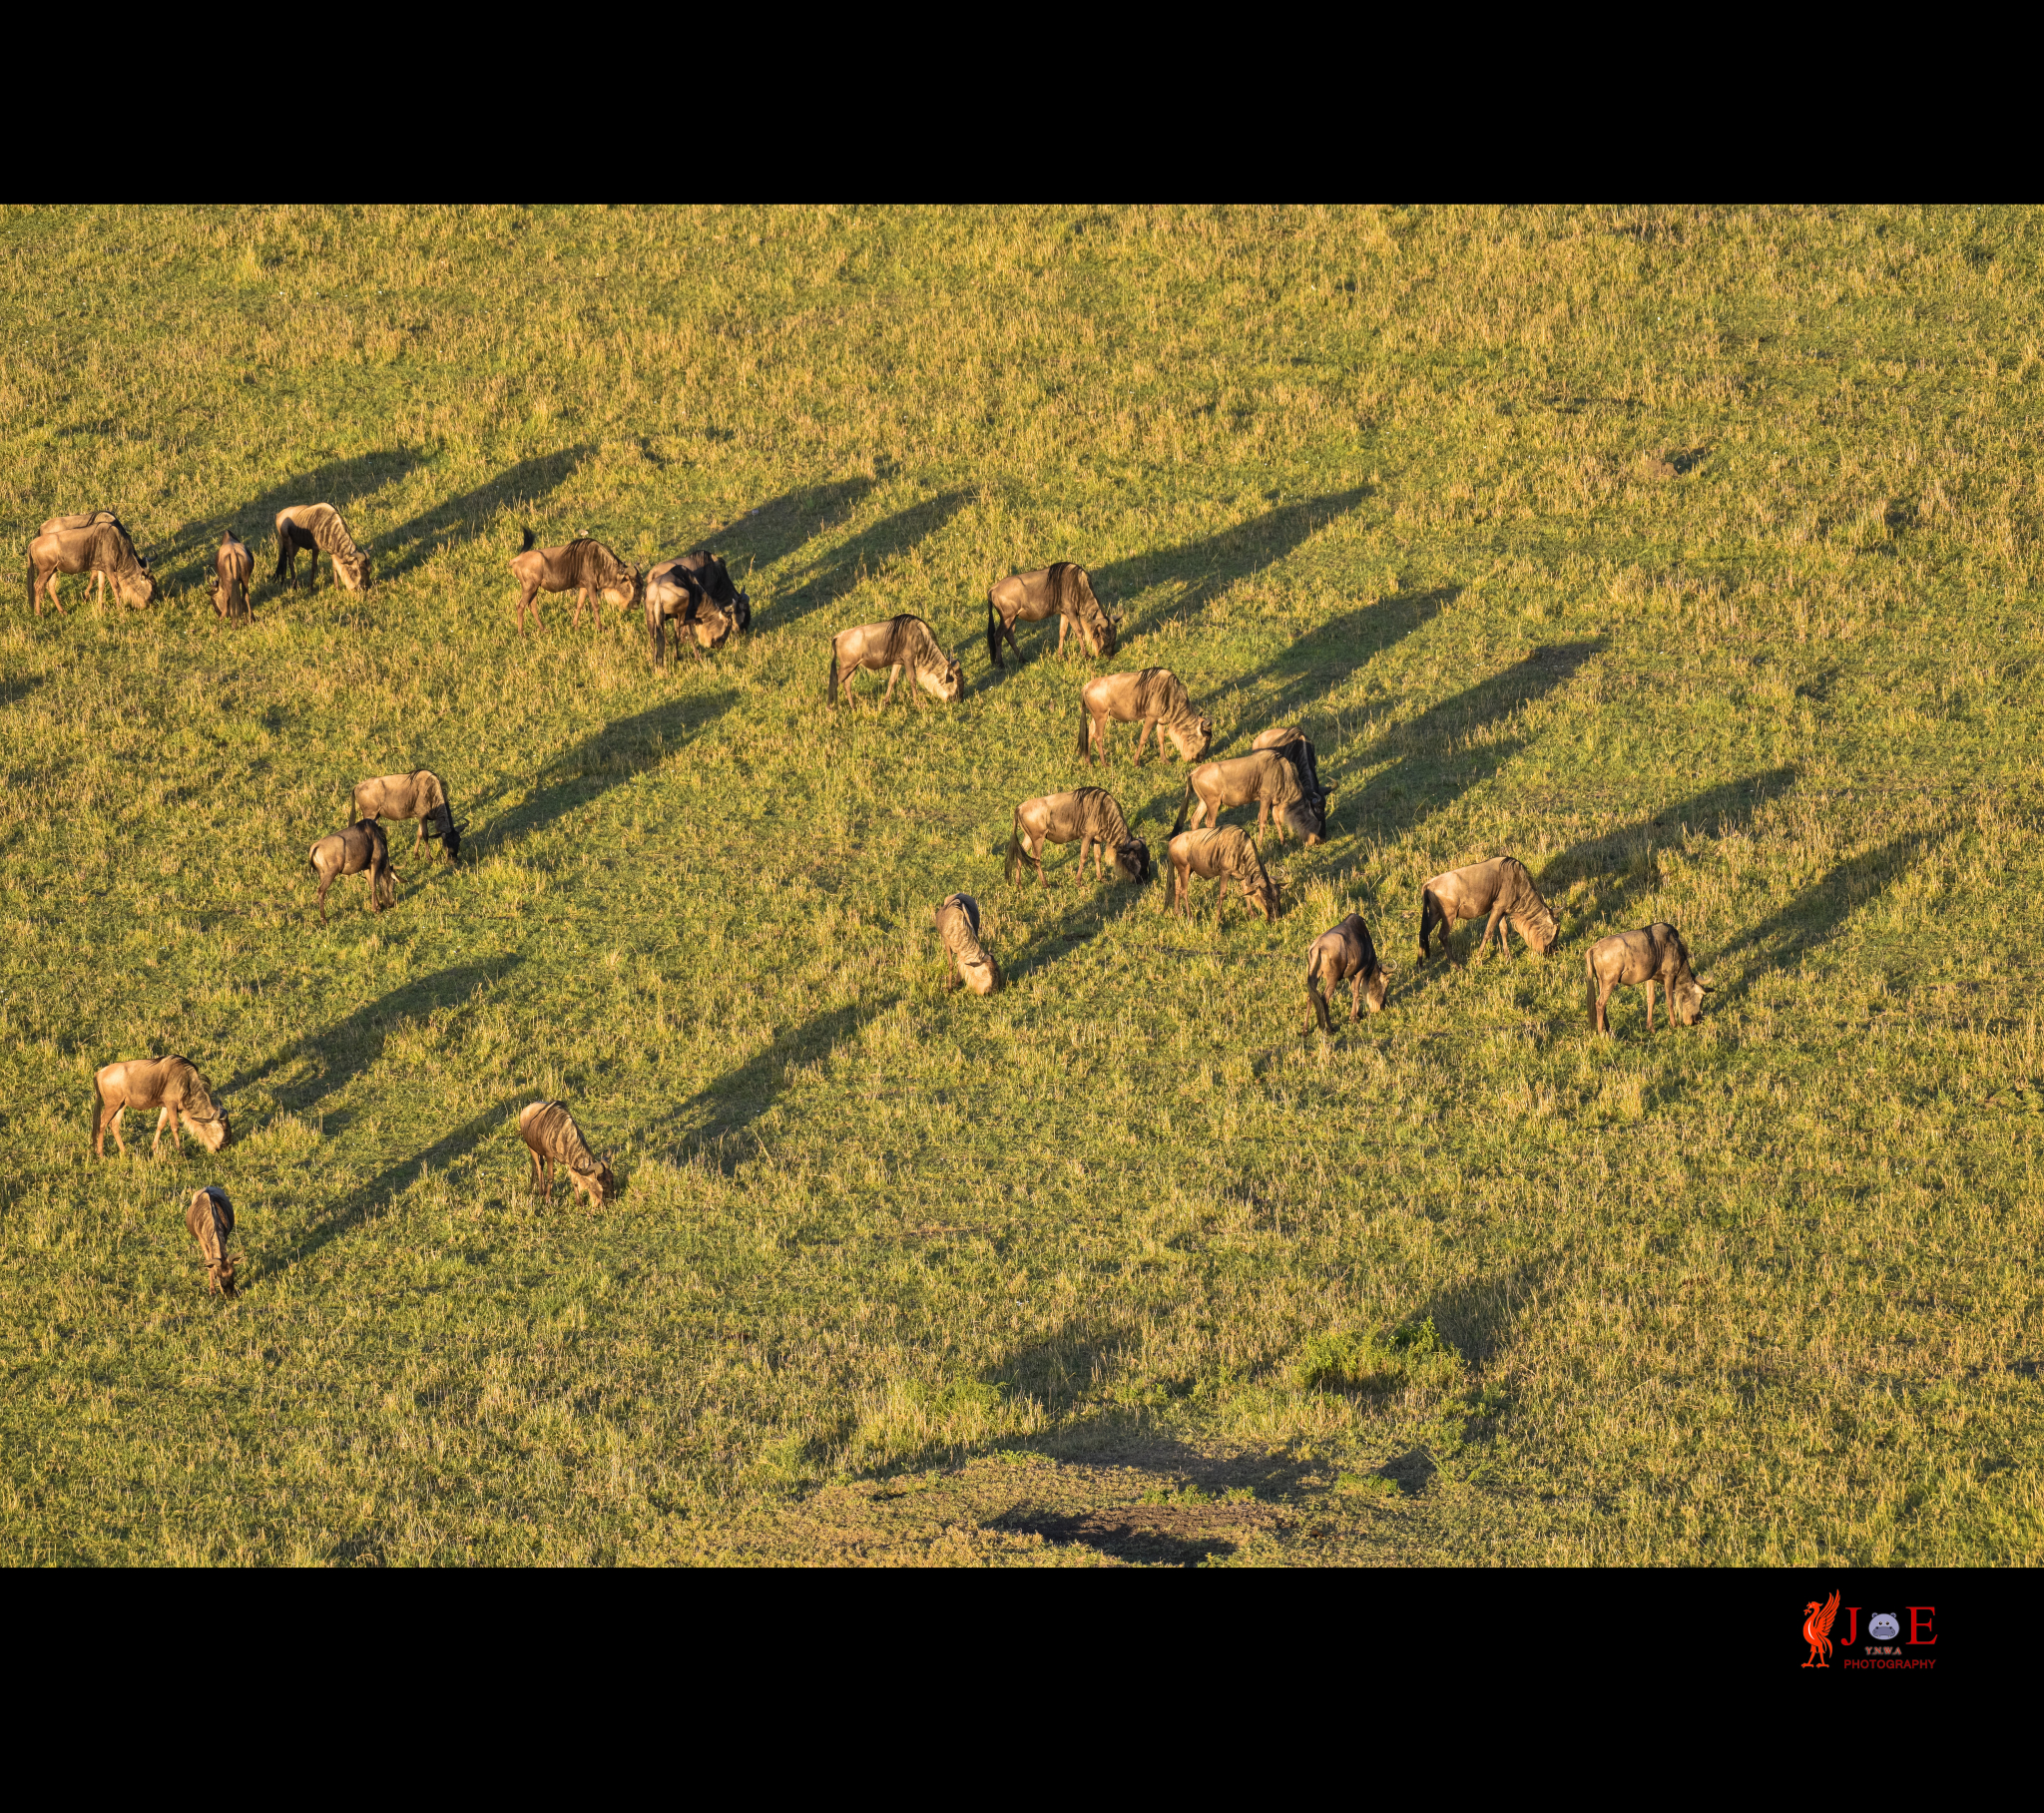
column 1132, row 860
column 1303, row 821
column 352, row 570
column 1377, row 988
column 1538, row 929
column 712, row 625
column 137, row 586
column 603, row 1186
column 1263, row 892
column 447, row 831
column 212, row 1224
column 208, row 1121
column 1194, row 737
column 1687, row 999
column 946, row 682
column 629, row 592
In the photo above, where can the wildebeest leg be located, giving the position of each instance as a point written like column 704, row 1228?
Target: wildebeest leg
column 114, row 1126
column 170, row 1120
column 326, row 882
column 1649, row 986
column 1141, row 735
column 528, row 599
column 1036, row 856
column 1356, row 997
column 893, row 674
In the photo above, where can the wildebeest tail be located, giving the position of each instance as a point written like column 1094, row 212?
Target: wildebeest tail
column 993, row 632
column 1429, row 914
column 31, row 599
column 1015, row 848
column 834, row 673
column 1590, row 986
column 1185, row 805
column 526, row 545
column 1085, row 723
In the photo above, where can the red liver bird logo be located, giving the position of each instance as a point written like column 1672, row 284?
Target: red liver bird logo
column 1817, row 1631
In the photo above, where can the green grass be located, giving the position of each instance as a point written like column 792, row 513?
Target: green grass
column 1694, row 558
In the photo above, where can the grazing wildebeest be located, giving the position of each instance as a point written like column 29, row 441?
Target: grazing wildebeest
column 675, row 596
column 584, row 567
column 958, row 927
column 419, row 796
column 1028, row 597
column 1155, row 699
column 1294, row 742
column 1090, row 819
column 311, row 529
column 210, row 1218
column 1500, row 888
column 1225, row 854
column 1345, row 954
column 234, row 571
column 714, row 577
column 900, row 642
column 359, row 849
column 173, row 1085
column 1656, row 954
column 100, row 547
column 1269, row 779
column 552, row 1138
column 87, row 519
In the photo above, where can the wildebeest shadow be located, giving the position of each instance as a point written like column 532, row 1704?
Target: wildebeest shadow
column 450, row 1148
column 399, row 550
column 789, row 521
column 342, row 483
column 585, row 771
column 1436, row 757
column 1814, row 917
column 1205, row 567
column 1613, row 862
column 734, row 1101
column 1087, row 911
column 15, row 690
column 336, row 1054
column 832, row 574
column 1324, row 657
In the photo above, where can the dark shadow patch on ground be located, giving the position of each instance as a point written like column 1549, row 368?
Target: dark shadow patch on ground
column 830, row 575
column 530, row 481
column 1817, row 913
column 188, row 559
column 1475, row 1317
column 1619, row 864
column 609, row 757
column 734, row 1101
column 14, row 690
column 1089, row 909
column 1324, row 657
column 1433, row 760
column 1205, row 567
column 342, row 1052
column 448, row 1150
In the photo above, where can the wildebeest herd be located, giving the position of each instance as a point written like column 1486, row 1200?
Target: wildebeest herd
column 693, row 595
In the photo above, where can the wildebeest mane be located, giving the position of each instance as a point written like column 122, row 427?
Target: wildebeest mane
column 1161, row 696
column 330, row 533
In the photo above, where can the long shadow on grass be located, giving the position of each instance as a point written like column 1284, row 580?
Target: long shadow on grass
column 450, row 1148
column 585, row 771
column 1204, row 569
column 1618, row 863
column 1819, row 913
column 342, row 483
column 1088, row 909
column 739, row 1097
column 529, row 482
column 340, row 1053
column 826, row 579
column 1436, row 758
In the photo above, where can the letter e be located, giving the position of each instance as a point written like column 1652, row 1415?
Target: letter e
column 1923, row 1625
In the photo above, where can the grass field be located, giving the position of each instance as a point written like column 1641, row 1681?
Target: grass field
column 1693, row 557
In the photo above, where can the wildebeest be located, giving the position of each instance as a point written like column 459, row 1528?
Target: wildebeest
column 234, row 570
column 675, row 596
column 1500, row 888
column 359, row 849
column 173, row 1085
column 402, row 798
column 1345, row 954
column 313, row 529
column 210, row 1218
column 1226, row 855
column 1295, row 742
column 714, row 577
column 900, row 642
column 584, row 567
column 1090, row 819
column 958, row 927
column 1655, row 954
column 1155, row 699
column 552, row 1138
column 1028, row 597
column 100, row 547
column 86, row 519
column 1269, row 779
